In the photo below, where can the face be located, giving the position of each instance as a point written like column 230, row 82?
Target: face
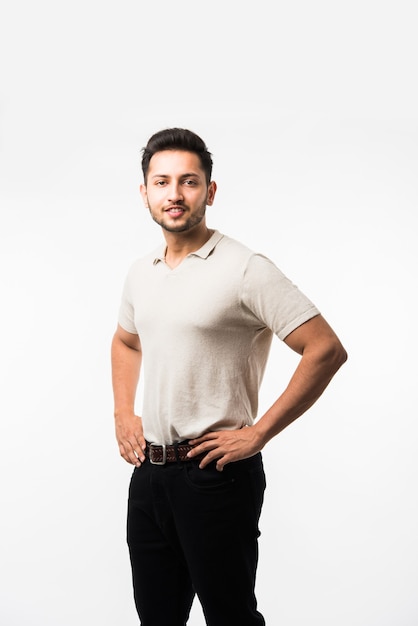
column 176, row 192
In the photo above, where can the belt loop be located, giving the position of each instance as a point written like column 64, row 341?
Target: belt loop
column 176, row 452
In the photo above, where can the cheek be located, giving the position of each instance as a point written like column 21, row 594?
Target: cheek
column 152, row 200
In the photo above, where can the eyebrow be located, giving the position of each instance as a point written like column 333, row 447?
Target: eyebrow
column 186, row 175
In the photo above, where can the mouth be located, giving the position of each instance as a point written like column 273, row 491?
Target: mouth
column 175, row 211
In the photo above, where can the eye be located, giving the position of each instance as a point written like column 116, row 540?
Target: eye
column 190, row 182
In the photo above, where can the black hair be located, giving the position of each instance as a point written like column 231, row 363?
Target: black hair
column 177, row 139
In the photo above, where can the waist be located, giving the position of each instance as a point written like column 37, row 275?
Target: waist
column 160, row 454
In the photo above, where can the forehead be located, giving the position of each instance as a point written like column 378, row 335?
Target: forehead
column 174, row 163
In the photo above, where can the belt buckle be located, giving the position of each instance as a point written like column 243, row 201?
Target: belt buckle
column 164, row 459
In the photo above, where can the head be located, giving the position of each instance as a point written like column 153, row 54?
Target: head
column 177, row 139
column 177, row 187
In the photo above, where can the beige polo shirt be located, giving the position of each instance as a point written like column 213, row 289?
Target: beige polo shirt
column 206, row 328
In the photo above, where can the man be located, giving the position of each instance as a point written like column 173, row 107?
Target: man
column 200, row 312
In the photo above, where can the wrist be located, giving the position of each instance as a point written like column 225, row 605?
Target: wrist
column 122, row 411
column 259, row 435
column 264, row 431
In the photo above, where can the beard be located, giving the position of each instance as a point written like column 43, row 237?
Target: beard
column 186, row 222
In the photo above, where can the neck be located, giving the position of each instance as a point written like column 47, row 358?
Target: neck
column 179, row 245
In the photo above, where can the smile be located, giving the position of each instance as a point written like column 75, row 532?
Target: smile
column 175, row 210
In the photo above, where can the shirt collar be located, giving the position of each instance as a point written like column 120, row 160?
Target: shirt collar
column 203, row 252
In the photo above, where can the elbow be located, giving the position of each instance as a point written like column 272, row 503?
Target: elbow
column 336, row 355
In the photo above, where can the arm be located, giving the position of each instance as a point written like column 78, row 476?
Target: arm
column 126, row 364
column 321, row 356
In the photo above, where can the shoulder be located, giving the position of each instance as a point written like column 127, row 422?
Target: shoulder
column 146, row 262
column 248, row 258
column 234, row 249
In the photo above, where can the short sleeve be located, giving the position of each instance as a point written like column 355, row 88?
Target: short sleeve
column 126, row 316
column 273, row 298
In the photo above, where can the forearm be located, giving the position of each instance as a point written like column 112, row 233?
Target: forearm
column 310, row 379
column 322, row 356
column 126, row 365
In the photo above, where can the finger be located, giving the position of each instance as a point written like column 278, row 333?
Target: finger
column 124, row 454
column 139, row 450
column 203, row 448
column 205, row 461
column 211, row 456
column 135, row 445
column 207, row 437
column 220, row 463
column 143, row 447
column 128, row 453
column 138, row 460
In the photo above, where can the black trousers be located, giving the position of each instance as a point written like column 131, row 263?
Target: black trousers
column 195, row 531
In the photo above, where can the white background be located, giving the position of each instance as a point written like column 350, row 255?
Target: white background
column 310, row 111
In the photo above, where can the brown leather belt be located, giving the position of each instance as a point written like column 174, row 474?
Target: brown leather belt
column 162, row 454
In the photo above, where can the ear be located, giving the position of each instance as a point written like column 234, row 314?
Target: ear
column 211, row 193
column 143, row 192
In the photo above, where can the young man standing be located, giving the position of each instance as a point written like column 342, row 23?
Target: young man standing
column 199, row 315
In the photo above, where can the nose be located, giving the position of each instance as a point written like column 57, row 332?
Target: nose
column 175, row 193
